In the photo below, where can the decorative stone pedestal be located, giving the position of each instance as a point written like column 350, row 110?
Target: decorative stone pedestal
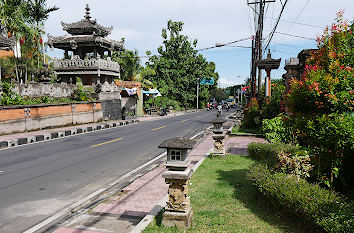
column 218, row 136
column 178, row 211
column 219, row 148
column 179, row 219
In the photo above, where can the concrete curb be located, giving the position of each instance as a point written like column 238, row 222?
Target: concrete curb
column 59, row 134
column 247, row 135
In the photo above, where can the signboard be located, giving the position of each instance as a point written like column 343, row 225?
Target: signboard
column 207, row 81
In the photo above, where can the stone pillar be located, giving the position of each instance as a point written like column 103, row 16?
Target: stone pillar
column 139, row 104
column 178, row 211
column 218, row 136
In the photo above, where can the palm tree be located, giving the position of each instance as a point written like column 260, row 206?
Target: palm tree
column 38, row 13
column 143, row 78
column 129, row 62
column 131, row 69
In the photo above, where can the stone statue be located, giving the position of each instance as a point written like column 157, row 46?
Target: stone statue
column 44, row 74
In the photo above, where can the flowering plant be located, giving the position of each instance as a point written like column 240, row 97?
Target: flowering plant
column 322, row 101
column 327, row 85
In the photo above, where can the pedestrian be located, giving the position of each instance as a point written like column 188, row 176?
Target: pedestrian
column 219, row 109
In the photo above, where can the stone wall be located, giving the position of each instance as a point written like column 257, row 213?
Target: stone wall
column 111, row 109
column 57, row 90
column 22, row 118
column 130, row 104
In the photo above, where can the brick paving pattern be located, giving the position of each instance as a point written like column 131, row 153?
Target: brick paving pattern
column 238, row 145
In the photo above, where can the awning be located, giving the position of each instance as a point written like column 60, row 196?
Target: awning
column 153, row 92
column 130, row 91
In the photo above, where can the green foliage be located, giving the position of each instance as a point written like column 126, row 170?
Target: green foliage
column 82, row 94
column 252, row 117
column 331, row 138
column 297, row 165
column 277, row 130
column 129, row 62
column 219, row 94
column 272, row 107
column 324, row 208
column 24, row 21
column 327, row 86
column 268, row 152
column 161, row 102
column 9, row 97
column 178, row 67
column 321, row 103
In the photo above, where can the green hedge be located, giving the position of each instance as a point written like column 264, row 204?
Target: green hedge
column 267, row 152
column 324, row 208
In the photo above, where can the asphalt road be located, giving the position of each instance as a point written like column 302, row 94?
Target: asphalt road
column 38, row 180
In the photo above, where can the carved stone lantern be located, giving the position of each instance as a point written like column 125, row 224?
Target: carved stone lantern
column 218, row 136
column 178, row 211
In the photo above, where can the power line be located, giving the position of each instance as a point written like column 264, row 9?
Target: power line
column 287, row 34
column 208, row 48
column 224, row 44
column 276, row 24
column 290, row 21
column 298, row 15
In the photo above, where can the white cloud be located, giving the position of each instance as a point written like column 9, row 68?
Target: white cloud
column 227, row 82
column 209, row 21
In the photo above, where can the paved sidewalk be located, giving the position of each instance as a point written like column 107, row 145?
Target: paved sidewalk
column 237, row 145
column 134, row 202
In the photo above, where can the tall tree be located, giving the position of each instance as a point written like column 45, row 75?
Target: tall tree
column 38, row 13
column 179, row 66
column 129, row 62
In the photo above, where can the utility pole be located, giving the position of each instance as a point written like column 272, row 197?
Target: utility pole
column 253, row 69
column 259, row 38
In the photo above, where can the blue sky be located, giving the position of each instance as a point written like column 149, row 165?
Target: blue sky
column 140, row 23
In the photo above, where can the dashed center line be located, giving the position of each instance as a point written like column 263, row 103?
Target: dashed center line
column 159, row 128
column 118, row 139
column 183, row 121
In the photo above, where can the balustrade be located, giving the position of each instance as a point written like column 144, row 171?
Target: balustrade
column 90, row 64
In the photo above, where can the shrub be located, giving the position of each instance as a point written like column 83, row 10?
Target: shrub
column 297, row 165
column 82, row 94
column 324, row 208
column 272, row 107
column 252, row 115
column 9, row 97
column 277, row 130
column 268, row 152
column 328, row 81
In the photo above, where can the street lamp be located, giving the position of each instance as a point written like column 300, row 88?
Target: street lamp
column 198, row 80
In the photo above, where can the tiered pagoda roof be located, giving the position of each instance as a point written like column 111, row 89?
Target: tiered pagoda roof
column 85, row 33
column 87, row 26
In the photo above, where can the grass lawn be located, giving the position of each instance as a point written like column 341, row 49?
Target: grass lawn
column 224, row 201
column 235, row 129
